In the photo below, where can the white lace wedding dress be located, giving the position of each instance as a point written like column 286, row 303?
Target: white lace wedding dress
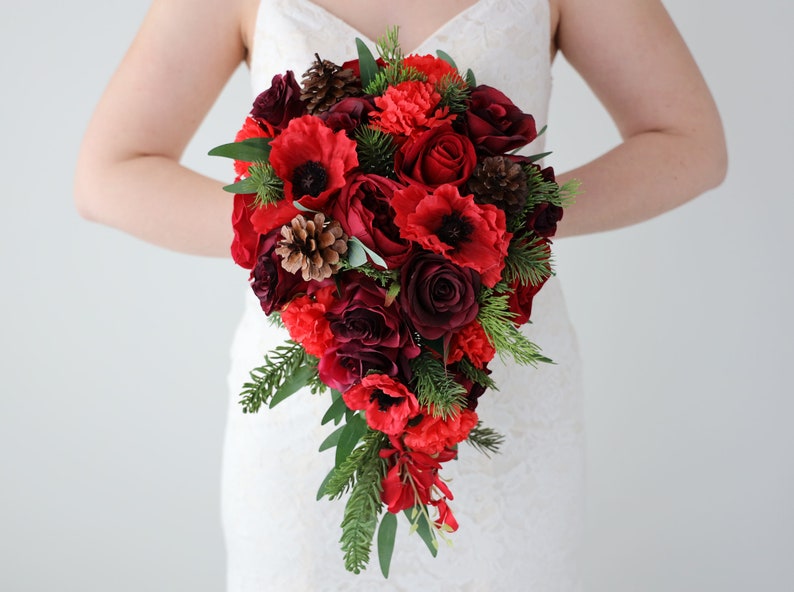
column 521, row 511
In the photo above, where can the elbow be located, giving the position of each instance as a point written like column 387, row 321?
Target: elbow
column 86, row 201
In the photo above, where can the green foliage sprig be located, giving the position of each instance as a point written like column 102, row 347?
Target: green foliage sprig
column 455, row 93
column 540, row 190
column 375, row 150
column 527, row 261
column 343, row 476
column 285, row 370
column 435, row 387
column 497, row 322
column 269, row 187
column 475, row 374
column 486, row 440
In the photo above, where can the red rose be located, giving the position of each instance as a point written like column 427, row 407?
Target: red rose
column 466, row 233
column 281, row 102
column 344, row 364
column 274, row 216
column 363, row 208
column 272, row 284
column 438, row 156
column 433, row 434
column 437, row 296
column 543, row 219
column 495, row 124
column 312, row 161
column 387, row 404
column 246, row 238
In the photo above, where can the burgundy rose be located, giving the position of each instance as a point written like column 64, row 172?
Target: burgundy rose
column 495, row 124
column 348, row 114
column 543, row 218
column 281, row 102
column 437, row 296
column 474, row 390
column 347, row 363
column 272, row 284
column 364, row 210
column 439, row 156
column 360, row 316
column 520, row 300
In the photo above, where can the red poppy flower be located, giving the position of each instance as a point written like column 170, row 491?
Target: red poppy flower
column 387, row 404
column 312, row 161
column 468, row 234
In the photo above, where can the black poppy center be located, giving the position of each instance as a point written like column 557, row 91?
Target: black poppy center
column 455, row 229
column 385, row 402
column 310, row 178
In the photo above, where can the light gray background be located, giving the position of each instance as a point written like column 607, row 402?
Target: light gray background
column 114, row 352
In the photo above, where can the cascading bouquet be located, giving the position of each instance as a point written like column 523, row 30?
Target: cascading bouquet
column 390, row 227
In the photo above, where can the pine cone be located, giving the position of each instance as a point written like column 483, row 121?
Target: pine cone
column 499, row 181
column 325, row 84
column 312, row 247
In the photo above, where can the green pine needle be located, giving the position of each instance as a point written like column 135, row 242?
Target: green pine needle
column 392, row 75
column 269, row 187
column 436, row 388
column 497, row 322
column 454, row 93
column 388, row 46
column 541, row 190
column 375, row 150
column 279, row 366
column 343, row 477
column 486, row 440
column 477, row 375
column 528, row 262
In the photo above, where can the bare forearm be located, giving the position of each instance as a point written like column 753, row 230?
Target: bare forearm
column 158, row 200
column 645, row 176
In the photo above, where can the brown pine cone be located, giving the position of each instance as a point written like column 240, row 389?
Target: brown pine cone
column 325, row 84
column 499, row 181
column 312, row 247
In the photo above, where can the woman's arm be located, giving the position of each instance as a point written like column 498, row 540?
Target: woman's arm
column 128, row 173
column 631, row 55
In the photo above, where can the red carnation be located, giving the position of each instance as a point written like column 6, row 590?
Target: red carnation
column 387, row 404
column 472, row 342
column 304, row 318
column 434, row 68
column 434, row 434
column 468, row 234
column 409, row 107
column 312, row 161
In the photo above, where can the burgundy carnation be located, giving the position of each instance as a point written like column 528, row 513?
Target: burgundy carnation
column 281, row 102
column 437, row 296
column 495, row 124
column 272, row 284
column 436, row 157
column 363, row 208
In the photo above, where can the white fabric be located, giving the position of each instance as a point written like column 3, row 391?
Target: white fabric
column 520, row 512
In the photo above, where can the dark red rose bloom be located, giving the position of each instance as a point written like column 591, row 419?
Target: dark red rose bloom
column 304, row 318
column 472, row 342
column 469, row 234
column 281, row 102
column 272, row 284
column 246, row 238
column 361, row 316
column 412, row 477
column 353, row 65
column 495, row 124
column 520, row 301
column 252, row 128
column 312, row 161
column 433, row 434
column 363, row 208
column 387, row 404
column 437, row 296
column 345, row 364
column 436, row 157
column 474, row 390
column 543, row 219
column 348, row 114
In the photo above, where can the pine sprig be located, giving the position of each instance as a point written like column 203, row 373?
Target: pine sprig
column 497, row 322
column 486, row 440
column 477, row 375
column 385, row 277
column 280, row 365
column 392, row 75
column 269, row 187
column 343, row 476
column 540, row 190
column 528, row 262
column 375, row 150
column 362, row 510
column 388, row 46
column 435, row 388
column 455, row 93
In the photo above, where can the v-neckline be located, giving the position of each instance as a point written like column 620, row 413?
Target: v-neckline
column 364, row 37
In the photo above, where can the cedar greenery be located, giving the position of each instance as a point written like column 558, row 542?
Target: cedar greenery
column 527, row 261
column 497, row 322
column 475, row 374
column 286, row 367
column 455, row 93
column 343, row 476
column 486, row 440
column 541, row 190
column 436, row 388
column 375, row 149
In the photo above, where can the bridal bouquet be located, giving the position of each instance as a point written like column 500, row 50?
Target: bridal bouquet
column 390, row 227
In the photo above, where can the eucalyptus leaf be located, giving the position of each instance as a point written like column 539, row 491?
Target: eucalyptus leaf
column 332, row 439
column 302, row 208
column 446, row 57
column 247, row 185
column 367, row 66
column 295, row 382
column 356, row 255
column 536, row 157
column 349, row 437
column 376, row 259
column 250, row 150
column 386, row 535
column 336, row 411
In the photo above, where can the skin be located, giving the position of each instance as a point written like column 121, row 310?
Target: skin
column 129, row 177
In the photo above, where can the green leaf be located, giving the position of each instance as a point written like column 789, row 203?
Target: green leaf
column 367, row 65
column 445, row 56
column 293, row 384
column 321, row 491
column 422, row 527
column 376, row 259
column 537, row 157
column 302, row 208
column 356, row 256
column 542, row 130
column 247, row 185
column 386, row 535
column 470, row 79
column 332, row 439
column 336, row 411
column 350, row 436
column 250, row 150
